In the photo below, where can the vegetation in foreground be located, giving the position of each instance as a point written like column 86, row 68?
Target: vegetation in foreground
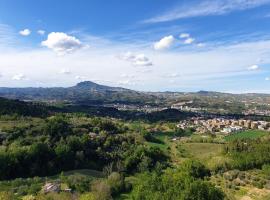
column 87, row 158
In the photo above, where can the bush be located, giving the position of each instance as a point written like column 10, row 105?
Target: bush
column 116, row 182
column 266, row 169
column 101, row 190
column 195, row 169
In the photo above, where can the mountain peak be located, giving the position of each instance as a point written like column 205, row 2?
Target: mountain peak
column 86, row 84
column 89, row 85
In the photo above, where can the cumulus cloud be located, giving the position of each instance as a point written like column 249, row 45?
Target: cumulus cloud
column 65, row 71
column 61, row 43
column 164, row 43
column 141, row 60
column 189, row 40
column 253, row 67
column 25, row 32
column 19, row 77
column 136, row 59
column 41, row 32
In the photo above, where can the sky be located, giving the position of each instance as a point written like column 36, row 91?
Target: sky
column 153, row 45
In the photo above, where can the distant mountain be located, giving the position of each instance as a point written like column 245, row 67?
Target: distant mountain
column 89, row 85
column 90, row 93
column 86, row 92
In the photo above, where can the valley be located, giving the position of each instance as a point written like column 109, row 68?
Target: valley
column 72, row 150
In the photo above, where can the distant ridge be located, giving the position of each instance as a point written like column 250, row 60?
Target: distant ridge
column 89, row 85
column 83, row 92
column 91, row 93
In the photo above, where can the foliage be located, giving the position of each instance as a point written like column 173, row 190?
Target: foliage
column 249, row 154
column 180, row 184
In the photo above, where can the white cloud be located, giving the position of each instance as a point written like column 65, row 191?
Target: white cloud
column 25, row 32
column 201, row 45
column 61, row 43
column 142, row 60
column 19, row 77
column 267, row 78
column 206, row 8
column 208, row 68
column 189, row 41
column 184, row 35
column 164, row 43
column 41, row 32
column 65, row 71
column 129, row 56
column 253, row 67
column 136, row 59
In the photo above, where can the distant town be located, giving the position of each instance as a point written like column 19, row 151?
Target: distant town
column 222, row 125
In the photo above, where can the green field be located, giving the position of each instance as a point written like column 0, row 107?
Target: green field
column 164, row 138
column 85, row 172
column 202, row 151
column 250, row 134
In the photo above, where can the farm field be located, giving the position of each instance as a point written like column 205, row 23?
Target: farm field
column 250, row 134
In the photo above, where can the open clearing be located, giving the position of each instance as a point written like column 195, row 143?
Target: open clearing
column 250, row 134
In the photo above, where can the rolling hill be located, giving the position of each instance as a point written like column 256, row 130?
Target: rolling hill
column 84, row 93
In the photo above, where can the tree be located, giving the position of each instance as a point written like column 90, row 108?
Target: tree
column 57, row 127
column 195, row 169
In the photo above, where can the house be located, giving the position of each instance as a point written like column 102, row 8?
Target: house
column 92, row 135
column 51, row 187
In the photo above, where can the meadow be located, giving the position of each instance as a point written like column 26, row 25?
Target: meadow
column 249, row 134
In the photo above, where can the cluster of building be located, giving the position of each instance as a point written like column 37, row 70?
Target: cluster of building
column 257, row 112
column 223, row 125
column 133, row 107
column 184, row 107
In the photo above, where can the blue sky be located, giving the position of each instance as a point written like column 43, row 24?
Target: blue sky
column 154, row 45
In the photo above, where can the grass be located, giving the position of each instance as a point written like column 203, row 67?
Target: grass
column 164, row 137
column 202, row 151
column 208, row 153
column 86, row 172
column 250, row 134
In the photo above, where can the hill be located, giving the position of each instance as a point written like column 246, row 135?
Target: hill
column 90, row 93
column 11, row 107
column 84, row 93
